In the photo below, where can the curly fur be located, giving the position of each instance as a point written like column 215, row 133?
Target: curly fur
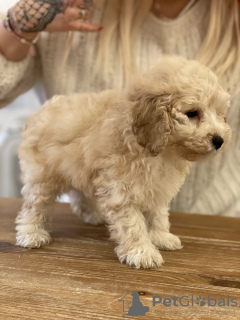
column 124, row 154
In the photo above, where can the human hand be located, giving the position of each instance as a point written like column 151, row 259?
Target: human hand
column 31, row 16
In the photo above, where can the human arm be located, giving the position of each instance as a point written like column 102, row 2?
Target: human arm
column 28, row 17
column 18, row 71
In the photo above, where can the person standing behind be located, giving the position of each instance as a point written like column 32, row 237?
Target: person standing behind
column 125, row 37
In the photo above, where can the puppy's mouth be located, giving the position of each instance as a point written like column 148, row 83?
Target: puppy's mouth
column 197, row 154
column 201, row 156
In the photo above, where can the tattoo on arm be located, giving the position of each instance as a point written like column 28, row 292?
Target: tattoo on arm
column 35, row 15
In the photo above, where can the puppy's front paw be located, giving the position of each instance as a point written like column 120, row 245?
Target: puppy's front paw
column 33, row 240
column 147, row 257
column 166, row 241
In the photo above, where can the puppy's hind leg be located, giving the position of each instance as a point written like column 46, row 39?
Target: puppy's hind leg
column 85, row 208
column 38, row 204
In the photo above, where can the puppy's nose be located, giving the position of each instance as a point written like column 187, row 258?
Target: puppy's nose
column 217, row 141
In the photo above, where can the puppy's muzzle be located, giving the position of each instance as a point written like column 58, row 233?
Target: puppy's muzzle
column 217, row 141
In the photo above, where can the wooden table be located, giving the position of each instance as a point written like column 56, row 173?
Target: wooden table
column 78, row 276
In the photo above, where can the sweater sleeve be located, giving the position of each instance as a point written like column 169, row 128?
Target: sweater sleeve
column 17, row 77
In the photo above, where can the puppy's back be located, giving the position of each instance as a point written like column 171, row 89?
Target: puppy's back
column 51, row 133
column 64, row 117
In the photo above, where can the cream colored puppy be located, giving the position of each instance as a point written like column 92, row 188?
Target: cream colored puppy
column 125, row 155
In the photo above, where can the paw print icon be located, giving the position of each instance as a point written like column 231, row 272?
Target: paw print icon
column 201, row 301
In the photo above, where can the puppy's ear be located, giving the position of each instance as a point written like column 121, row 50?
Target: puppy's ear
column 151, row 122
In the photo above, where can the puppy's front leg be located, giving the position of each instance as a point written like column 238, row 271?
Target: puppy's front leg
column 38, row 204
column 128, row 228
column 158, row 225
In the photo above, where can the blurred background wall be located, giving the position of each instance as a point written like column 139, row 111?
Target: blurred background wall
column 12, row 119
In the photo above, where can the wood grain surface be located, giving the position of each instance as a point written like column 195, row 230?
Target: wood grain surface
column 78, row 276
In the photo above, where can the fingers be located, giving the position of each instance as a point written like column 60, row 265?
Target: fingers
column 76, row 20
column 76, row 14
column 84, row 14
column 73, row 20
column 74, row 17
column 84, row 26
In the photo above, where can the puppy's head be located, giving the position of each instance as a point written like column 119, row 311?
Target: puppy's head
column 179, row 103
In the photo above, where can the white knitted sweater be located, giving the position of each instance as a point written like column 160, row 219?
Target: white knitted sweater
column 212, row 187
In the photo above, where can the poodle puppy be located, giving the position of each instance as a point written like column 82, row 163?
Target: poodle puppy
column 124, row 154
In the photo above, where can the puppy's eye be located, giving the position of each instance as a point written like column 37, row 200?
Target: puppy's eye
column 192, row 114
